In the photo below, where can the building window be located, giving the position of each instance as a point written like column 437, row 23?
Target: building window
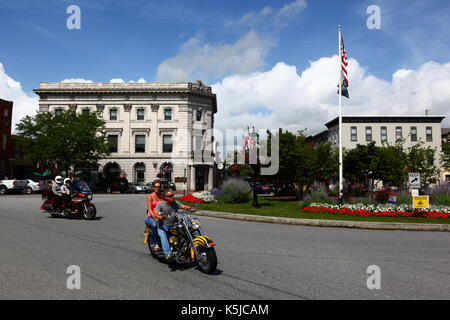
column 167, row 143
column 139, row 173
column 398, row 133
column 6, row 117
column 368, row 134
column 413, row 134
column 113, row 114
column 198, row 115
column 353, row 136
column 429, row 132
column 58, row 112
column 85, row 111
column 383, row 134
column 140, row 144
column 140, row 114
column 167, row 114
column 113, row 140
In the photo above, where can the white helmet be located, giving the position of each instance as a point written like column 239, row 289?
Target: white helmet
column 66, row 180
column 58, row 179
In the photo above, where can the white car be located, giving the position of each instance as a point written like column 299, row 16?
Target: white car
column 36, row 186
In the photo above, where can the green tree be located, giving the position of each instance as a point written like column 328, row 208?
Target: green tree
column 446, row 156
column 390, row 164
column 69, row 139
column 422, row 160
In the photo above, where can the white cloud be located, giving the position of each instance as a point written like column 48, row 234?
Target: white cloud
column 294, row 101
column 23, row 104
column 269, row 16
column 116, row 80
column 198, row 61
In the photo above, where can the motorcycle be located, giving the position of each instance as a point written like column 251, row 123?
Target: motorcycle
column 80, row 204
column 188, row 243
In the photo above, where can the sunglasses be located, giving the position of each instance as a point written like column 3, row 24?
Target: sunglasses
column 170, row 195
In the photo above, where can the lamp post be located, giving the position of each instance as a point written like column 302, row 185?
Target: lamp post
column 255, row 166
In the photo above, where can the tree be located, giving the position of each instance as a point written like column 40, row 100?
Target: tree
column 68, row 139
column 422, row 160
column 446, row 156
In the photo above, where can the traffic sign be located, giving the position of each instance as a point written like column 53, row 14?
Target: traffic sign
column 420, row 202
column 414, row 180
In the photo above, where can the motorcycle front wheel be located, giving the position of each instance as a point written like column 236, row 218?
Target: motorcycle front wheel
column 90, row 213
column 206, row 259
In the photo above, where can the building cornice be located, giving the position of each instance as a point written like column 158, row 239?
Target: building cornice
column 106, row 88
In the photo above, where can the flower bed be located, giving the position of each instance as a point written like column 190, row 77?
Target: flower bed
column 437, row 212
column 191, row 198
column 206, row 196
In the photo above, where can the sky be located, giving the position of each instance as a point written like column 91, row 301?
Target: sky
column 272, row 64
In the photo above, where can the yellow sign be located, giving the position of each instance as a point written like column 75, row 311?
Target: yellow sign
column 420, row 202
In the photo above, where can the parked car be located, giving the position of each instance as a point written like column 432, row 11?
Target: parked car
column 114, row 184
column 36, row 186
column 138, row 188
column 165, row 185
column 13, row 185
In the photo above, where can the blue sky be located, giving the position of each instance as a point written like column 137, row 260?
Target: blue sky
column 138, row 39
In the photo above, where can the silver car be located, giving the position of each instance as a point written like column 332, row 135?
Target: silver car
column 36, row 186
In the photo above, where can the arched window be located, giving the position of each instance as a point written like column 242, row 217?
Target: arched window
column 111, row 170
column 166, row 170
column 139, row 173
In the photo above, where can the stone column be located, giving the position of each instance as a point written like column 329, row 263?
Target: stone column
column 154, row 133
column 192, row 179
column 126, row 128
column 210, row 178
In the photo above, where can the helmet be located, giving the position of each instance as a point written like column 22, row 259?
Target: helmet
column 66, row 180
column 58, row 179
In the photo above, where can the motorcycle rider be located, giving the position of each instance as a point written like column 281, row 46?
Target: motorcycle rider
column 56, row 189
column 167, row 211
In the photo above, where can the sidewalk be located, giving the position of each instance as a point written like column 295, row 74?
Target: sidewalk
column 327, row 223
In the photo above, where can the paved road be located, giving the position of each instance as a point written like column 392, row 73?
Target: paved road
column 256, row 260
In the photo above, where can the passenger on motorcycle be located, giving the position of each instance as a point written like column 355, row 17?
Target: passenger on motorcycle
column 65, row 189
column 56, row 189
column 152, row 218
column 167, row 211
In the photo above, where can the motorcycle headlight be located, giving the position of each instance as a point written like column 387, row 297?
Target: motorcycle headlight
column 89, row 197
column 195, row 224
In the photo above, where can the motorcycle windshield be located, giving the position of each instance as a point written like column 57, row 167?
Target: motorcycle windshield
column 83, row 187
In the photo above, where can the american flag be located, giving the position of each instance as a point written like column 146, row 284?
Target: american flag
column 344, row 64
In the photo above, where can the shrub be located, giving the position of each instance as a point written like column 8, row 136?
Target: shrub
column 403, row 198
column 440, row 196
column 317, row 197
column 236, row 191
column 217, row 191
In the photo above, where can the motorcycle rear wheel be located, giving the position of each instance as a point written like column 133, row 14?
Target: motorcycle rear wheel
column 207, row 259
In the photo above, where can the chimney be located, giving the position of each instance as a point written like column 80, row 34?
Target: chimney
column 427, row 112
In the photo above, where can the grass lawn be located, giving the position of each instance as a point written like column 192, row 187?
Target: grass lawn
column 292, row 209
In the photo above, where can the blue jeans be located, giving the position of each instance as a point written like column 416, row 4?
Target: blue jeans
column 154, row 229
column 162, row 232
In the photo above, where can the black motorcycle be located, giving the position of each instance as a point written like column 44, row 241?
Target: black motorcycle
column 188, row 243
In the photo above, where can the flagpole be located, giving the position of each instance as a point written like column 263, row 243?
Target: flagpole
column 340, row 116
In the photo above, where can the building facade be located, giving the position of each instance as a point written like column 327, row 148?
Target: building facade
column 385, row 129
column 156, row 129
column 6, row 146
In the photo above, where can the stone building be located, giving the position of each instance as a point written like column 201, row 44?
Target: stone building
column 385, row 129
column 155, row 127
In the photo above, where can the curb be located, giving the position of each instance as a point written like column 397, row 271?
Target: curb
column 327, row 223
